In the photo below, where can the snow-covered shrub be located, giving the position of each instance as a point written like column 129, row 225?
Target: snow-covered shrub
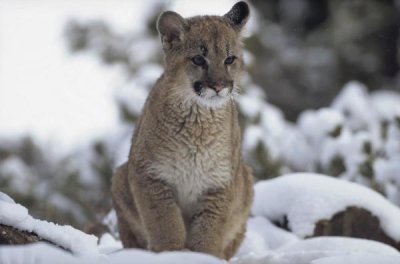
column 263, row 128
column 356, row 138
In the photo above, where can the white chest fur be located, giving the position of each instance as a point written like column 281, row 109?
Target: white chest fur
column 191, row 171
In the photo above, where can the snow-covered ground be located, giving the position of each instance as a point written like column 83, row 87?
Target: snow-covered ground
column 303, row 198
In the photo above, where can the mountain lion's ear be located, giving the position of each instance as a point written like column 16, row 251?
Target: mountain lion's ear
column 171, row 27
column 238, row 15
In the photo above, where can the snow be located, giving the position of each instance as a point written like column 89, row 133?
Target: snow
column 111, row 221
column 133, row 94
column 17, row 172
column 250, row 106
column 343, row 244
column 313, row 250
column 41, row 253
column 359, row 258
column 300, row 158
column 353, row 102
column 108, row 244
column 315, row 129
column 262, row 236
column 306, row 198
column 348, row 146
column 271, row 127
column 388, row 170
column 323, row 122
column 15, row 215
column 126, row 256
column 310, row 251
column 38, row 253
column 252, row 136
column 5, row 198
column 386, row 104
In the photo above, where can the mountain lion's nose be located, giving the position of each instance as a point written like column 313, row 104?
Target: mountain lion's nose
column 217, row 86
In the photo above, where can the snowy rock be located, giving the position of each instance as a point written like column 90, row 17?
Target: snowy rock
column 300, row 201
column 354, row 222
column 67, row 237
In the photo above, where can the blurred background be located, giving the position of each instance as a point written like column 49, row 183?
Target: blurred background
column 321, row 94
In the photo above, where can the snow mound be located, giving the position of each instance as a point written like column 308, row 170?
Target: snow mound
column 364, row 258
column 5, row 198
column 15, row 215
column 263, row 236
column 325, row 250
column 41, row 253
column 108, row 244
column 306, row 198
column 343, row 244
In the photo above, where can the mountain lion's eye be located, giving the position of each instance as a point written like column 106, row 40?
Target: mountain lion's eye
column 198, row 60
column 230, row 60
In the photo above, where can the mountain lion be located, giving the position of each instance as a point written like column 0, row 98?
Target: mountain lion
column 185, row 186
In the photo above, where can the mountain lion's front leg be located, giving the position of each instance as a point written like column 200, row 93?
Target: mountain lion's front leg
column 159, row 212
column 208, row 223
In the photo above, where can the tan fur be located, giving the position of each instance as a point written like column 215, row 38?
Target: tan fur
column 185, row 185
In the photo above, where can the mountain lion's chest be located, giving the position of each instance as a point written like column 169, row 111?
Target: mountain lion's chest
column 191, row 170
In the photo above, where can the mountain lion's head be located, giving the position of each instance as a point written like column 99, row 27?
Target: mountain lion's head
column 204, row 54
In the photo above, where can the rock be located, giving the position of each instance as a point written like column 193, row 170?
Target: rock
column 355, row 222
column 12, row 236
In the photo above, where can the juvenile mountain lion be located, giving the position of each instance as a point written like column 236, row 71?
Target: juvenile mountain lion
column 185, row 186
